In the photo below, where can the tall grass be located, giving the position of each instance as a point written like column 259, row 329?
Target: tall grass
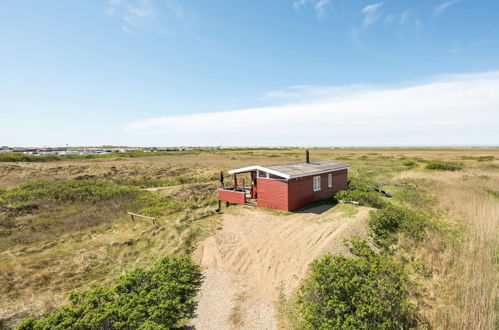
column 461, row 255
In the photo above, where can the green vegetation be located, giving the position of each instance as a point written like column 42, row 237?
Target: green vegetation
column 365, row 198
column 368, row 291
column 386, row 222
column 145, row 181
column 479, row 158
column 438, row 165
column 39, row 209
column 410, row 163
column 388, row 219
column 66, row 190
column 493, row 193
column 20, row 157
column 159, row 298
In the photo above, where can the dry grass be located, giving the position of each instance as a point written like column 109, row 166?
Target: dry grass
column 461, row 257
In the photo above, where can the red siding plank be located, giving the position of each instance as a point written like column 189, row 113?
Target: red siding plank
column 230, row 196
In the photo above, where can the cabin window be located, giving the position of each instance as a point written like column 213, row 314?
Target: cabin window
column 330, row 180
column 262, row 174
column 272, row 176
column 317, row 183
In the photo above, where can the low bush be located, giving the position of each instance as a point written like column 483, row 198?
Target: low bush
column 386, row 222
column 365, row 198
column 410, row 163
column 367, row 291
column 479, row 158
column 67, row 190
column 159, row 298
column 437, row 165
column 155, row 206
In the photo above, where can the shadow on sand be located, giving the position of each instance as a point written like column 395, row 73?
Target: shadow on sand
column 319, row 207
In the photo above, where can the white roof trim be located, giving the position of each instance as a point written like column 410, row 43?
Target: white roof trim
column 260, row 168
column 286, row 176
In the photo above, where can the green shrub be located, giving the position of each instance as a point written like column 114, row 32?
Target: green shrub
column 365, row 292
column 493, row 193
column 362, row 183
column 410, row 163
column 437, row 165
column 365, row 198
column 386, row 222
column 154, row 205
column 479, row 158
column 159, row 298
column 67, row 190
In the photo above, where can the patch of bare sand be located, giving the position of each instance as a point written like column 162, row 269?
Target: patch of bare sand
column 258, row 255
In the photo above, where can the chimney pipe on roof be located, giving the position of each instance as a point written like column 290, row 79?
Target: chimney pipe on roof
column 307, row 157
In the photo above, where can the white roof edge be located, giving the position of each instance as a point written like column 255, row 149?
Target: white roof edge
column 260, row 168
column 286, row 176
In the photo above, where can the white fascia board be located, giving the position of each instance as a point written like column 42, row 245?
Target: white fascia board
column 260, row 168
column 243, row 169
column 320, row 172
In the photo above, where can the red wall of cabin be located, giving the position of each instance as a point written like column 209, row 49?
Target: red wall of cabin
column 230, row 196
column 272, row 194
column 297, row 193
column 301, row 192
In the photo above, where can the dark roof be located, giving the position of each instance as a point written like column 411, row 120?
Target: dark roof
column 296, row 170
column 304, row 169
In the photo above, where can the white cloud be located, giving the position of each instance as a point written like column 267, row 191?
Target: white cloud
column 370, row 13
column 372, row 8
column 299, row 3
column 320, row 6
column 449, row 110
column 444, row 6
column 164, row 16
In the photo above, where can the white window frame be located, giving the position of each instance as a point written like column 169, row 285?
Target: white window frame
column 330, row 180
column 317, row 183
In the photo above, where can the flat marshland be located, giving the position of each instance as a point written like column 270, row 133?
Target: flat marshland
column 64, row 226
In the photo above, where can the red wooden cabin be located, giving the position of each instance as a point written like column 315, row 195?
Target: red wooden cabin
column 286, row 186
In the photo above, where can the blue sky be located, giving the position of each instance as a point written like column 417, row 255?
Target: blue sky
column 284, row 72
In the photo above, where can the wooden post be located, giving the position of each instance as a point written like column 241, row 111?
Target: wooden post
column 253, row 174
column 142, row 216
column 235, row 182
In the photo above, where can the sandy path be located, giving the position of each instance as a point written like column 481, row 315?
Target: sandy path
column 259, row 254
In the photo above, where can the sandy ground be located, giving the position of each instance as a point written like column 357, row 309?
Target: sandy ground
column 258, row 255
